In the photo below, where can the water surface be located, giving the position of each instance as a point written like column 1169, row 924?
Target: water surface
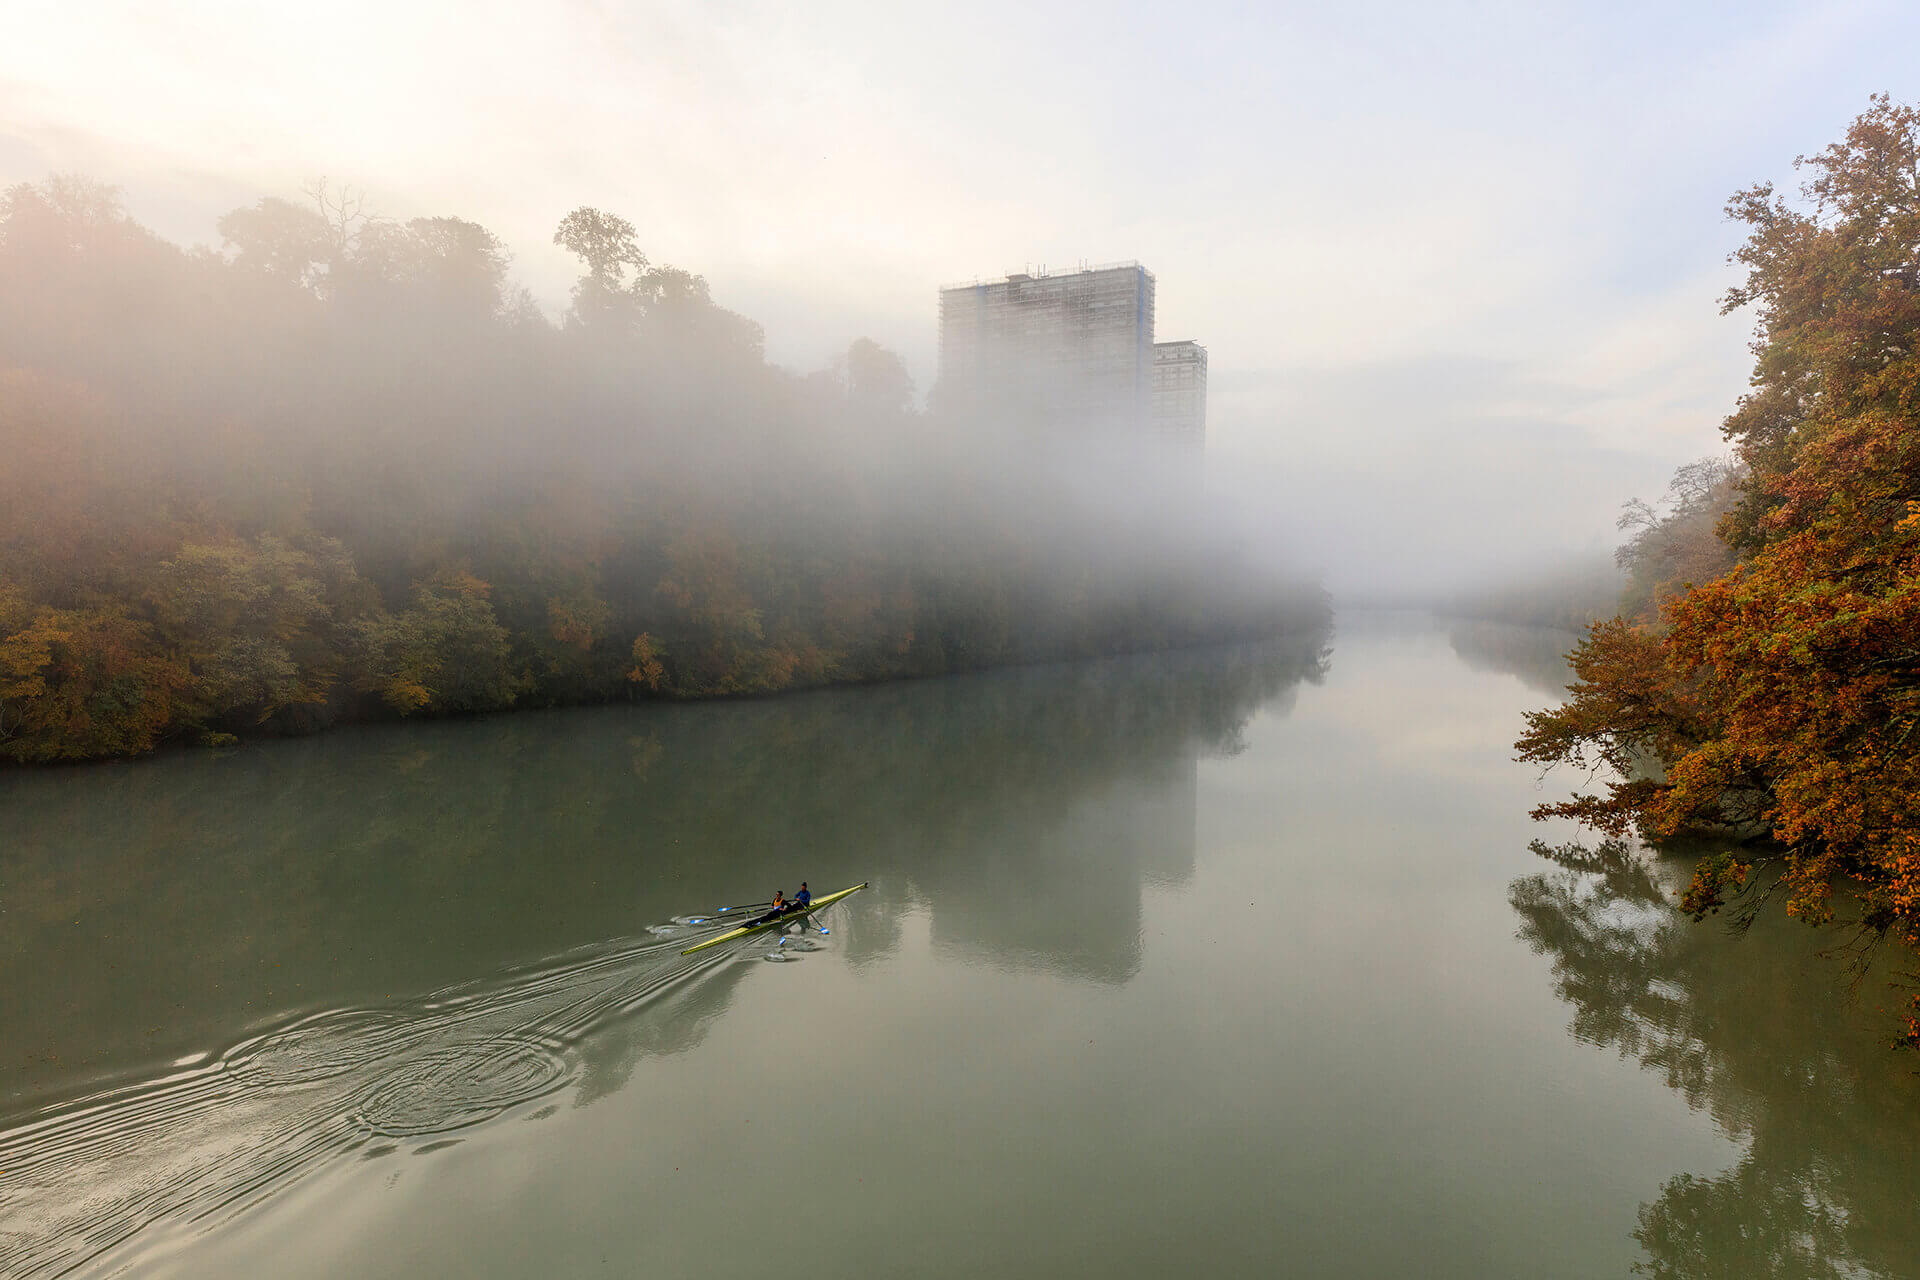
column 1236, row 960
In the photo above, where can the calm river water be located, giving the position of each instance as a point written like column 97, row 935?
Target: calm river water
column 1229, row 963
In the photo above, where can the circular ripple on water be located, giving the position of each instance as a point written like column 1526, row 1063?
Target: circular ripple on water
column 457, row 1085
column 321, row 1047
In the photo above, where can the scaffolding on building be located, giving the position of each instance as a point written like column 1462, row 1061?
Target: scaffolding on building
column 1071, row 353
column 1079, row 342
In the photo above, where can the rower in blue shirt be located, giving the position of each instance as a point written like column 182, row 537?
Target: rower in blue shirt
column 802, row 899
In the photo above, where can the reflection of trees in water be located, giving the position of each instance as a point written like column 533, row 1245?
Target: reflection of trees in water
column 175, row 900
column 1027, row 807
column 1537, row 655
column 1755, row 1032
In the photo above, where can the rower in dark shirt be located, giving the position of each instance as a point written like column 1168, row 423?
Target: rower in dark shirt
column 801, row 900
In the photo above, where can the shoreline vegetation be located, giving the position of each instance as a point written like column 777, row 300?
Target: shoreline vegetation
column 1763, row 677
column 340, row 468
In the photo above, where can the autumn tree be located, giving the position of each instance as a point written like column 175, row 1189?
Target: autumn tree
column 1789, row 686
column 446, row 653
column 80, row 684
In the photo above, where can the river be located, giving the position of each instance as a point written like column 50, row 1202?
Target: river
column 1240, row 962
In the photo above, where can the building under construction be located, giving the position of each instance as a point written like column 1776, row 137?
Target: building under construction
column 1179, row 398
column 1073, row 354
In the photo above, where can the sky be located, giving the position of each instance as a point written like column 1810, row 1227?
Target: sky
column 1456, row 265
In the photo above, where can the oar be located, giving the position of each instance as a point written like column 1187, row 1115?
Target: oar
column 745, row 906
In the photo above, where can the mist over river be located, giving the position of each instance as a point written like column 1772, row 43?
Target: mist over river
column 1227, row 961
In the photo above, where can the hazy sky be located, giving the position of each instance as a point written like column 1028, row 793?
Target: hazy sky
column 1456, row 265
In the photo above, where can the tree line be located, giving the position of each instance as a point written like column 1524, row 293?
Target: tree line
column 340, row 466
column 1764, row 686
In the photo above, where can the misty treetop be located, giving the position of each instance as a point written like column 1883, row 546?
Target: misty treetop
column 343, row 467
column 1772, row 683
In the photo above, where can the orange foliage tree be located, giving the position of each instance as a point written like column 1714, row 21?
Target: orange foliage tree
column 1785, row 692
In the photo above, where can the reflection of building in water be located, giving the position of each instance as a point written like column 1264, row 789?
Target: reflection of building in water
column 1167, row 821
column 1066, row 894
column 1074, row 351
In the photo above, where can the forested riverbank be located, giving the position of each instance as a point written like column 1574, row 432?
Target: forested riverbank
column 341, row 468
column 1764, row 676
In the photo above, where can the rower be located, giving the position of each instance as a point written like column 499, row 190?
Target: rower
column 802, row 900
column 778, row 909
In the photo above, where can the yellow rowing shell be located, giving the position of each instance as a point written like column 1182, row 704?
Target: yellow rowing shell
column 825, row 899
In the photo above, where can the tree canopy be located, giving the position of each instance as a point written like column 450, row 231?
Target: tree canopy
column 1780, row 696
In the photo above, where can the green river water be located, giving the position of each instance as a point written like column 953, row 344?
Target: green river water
column 1229, row 962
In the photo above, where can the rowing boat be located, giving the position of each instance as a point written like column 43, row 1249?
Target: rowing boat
column 746, row 930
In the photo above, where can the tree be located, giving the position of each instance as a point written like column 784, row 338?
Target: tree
column 280, row 240
column 67, row 215
column 609, row 248
column 447, row 653
column 234, row 613
column 1674, row 546
column 877, row 379
column 435, row 271
column 1790, row 685
column 689, row 326
column 85, row 683
column 27, row 638
column 461, row 265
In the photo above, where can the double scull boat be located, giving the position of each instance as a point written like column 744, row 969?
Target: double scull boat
column 784, row 918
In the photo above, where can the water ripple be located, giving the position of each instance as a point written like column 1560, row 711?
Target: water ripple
column 461, row 1084
column 183, row 1151
column 323, row 1046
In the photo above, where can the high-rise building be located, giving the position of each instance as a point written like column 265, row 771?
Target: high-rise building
column 1073, row 350
column 1180, row 395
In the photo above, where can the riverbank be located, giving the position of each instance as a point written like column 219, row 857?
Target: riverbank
column 656, row 674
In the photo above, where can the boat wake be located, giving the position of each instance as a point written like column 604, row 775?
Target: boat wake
column 190, row 1149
